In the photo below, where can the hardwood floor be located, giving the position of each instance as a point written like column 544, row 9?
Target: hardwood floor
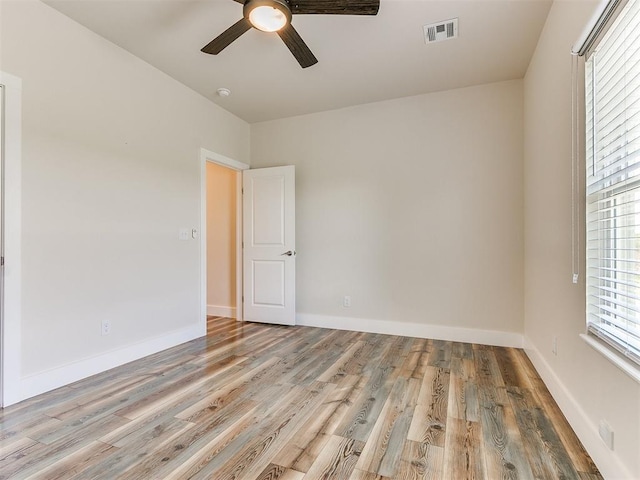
column 254, row 401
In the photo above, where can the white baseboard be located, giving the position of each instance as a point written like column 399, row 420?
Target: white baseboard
column 219, row 311
column 57, row 377
column 408, row 329
column 609, row 464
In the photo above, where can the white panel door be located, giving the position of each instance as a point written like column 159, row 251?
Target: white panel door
column 269, row 255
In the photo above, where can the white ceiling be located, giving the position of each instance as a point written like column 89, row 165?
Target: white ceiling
column 362, row 59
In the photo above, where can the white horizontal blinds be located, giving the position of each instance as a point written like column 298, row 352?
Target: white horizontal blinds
column 612, row 91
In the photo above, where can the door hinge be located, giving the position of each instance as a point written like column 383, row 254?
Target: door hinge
column 1, row 261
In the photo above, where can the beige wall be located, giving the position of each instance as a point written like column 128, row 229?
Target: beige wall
column 111, row 172
column 588, row 387
column 221, row 236
column 413, row 207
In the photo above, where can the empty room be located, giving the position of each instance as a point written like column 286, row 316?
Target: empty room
column 320, row 239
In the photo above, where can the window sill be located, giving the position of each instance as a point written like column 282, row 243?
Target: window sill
column 627, row 366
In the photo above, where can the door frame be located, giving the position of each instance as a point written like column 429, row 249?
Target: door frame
column 213, row 157
column 12, row 315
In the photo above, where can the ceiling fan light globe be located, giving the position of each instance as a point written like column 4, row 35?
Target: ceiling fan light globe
column 267, row 18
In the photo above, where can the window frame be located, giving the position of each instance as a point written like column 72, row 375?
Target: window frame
column 625, row 354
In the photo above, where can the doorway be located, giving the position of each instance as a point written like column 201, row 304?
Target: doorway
column 233, row 269
column 222, row 185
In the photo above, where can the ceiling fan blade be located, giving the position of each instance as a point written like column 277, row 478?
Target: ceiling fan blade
column 223, row 40
column 294, row 42
column 335, row 7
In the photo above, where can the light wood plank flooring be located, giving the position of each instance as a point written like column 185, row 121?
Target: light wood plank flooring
column 254, row 401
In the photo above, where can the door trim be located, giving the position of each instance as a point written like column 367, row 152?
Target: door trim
column 213, row 157
column 12, row 315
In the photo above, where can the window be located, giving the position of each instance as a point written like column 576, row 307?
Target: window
column 612, row 94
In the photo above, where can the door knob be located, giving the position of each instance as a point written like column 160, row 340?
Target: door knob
column 289, row 253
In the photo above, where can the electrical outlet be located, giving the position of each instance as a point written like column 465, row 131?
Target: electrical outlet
column 346, row 301
column 554, row 345
column 106, row 327
column 606, row 433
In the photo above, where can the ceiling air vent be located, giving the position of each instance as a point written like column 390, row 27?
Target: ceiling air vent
column 437, row 32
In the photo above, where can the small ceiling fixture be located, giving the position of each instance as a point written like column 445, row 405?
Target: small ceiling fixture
column 267, row 15
column 223, row 92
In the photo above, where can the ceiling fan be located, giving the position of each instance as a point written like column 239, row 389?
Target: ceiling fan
column 275, row 16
